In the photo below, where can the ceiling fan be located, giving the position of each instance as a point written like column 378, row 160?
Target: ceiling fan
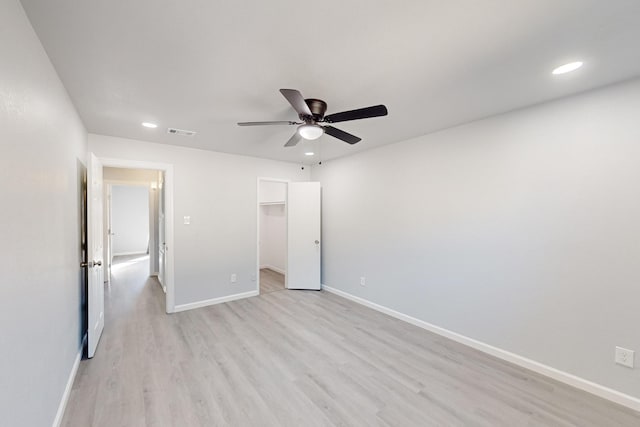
column 311, row 114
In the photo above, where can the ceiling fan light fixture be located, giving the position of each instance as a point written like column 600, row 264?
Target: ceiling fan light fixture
column 310, row 132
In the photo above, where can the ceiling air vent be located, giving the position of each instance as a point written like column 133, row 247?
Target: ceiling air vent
column 182, row 132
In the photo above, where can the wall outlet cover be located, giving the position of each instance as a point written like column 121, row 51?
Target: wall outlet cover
column 187, row 220
column 624, row 357
column 363, row 282
column 234, row 278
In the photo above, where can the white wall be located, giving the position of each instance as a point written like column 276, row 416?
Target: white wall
column 130, row 219
column 273, row 237
column 521, row 231
column 219, row 192
column 42, row 153
column 272, row 191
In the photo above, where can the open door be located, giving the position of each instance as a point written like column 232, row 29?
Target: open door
column 110, row 234
column 303, row 235
column 95, row 253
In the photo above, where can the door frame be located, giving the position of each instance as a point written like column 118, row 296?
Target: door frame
column 167, row 168
column 258, row 212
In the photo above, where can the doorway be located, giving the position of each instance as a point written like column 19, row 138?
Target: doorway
column 272, row 235
column 157, row 178
column 288, row 242
column 131, row 226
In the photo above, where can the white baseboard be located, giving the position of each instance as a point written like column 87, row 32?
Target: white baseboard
column 67, row 390
column 556, row 374
column 213, row 301
column 271, row 267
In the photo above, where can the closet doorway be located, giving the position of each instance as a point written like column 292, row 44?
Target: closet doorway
column 272, row 235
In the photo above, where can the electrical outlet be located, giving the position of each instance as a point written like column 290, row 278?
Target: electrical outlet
column 363, row 282
column 624, row 357
column 187, row 220
column 234, row 278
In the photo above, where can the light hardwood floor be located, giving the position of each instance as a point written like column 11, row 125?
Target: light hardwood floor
column 302, row 358
column 271, row 281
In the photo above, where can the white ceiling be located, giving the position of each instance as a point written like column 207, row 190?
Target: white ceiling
column 204, row 65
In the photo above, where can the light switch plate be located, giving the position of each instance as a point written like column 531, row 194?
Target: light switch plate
column 187, row 220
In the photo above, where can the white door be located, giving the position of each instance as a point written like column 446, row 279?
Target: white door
column 110, row 234
column 95, row 253
column 162, row 246
column 303, row 235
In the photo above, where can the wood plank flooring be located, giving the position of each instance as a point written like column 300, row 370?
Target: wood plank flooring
column 271, row 281
column 302, row 358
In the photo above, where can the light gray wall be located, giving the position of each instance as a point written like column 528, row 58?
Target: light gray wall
column 521, row 231
column 130, row 219
column 42, row 152
column 219, row 192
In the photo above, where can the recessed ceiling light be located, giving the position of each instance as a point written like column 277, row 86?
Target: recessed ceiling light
column 309, row 153
column 567, row 68
column 149, row 125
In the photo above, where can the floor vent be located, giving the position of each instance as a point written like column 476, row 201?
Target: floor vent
column 182, row 132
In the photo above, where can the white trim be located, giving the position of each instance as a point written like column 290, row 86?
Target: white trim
column 271, row 267
column 556, row 374
column 168, row 215
column 213, row 301
column 67, row 390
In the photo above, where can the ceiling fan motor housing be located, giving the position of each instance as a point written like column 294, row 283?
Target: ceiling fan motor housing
column 317, row 106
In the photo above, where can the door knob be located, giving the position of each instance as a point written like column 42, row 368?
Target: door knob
column 91, row 264
column 317, row 242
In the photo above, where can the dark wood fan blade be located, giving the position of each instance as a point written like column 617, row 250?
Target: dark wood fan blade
column 341, row 135
column 267, row 123
column 293, row 141
column 297, row 101
column 361, row 113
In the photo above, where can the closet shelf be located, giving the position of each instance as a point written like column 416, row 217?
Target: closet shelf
column 272, row 203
